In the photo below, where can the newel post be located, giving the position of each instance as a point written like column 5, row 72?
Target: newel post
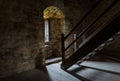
column 62, row 47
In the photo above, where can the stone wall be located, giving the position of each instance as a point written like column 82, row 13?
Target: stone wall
column 56, row 29
column 75, row 10
column 21, row 35
column 22, row 30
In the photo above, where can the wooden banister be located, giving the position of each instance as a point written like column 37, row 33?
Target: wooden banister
column 87, row 28
column 63, row 38
column 77, row 25
column 97, row 18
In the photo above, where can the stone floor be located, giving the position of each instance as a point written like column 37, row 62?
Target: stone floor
column 53, row 60
column 90, row 70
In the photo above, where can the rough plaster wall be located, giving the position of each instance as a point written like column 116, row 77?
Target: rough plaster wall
column 21, row 34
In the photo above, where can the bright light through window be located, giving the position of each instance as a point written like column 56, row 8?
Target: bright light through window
column 46, row 31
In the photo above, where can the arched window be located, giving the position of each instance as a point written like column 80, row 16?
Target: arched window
column 51, row 13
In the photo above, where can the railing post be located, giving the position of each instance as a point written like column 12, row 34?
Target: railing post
column 62, row 47
column 75, row 44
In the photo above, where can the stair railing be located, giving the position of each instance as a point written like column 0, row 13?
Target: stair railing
column 63, row 37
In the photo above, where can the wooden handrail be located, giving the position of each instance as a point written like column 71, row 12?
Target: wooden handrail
column 77, row 25
column 63, row 38
column 89, row 26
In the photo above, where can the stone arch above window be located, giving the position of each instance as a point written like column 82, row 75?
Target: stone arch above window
column 53, row 12
column 54, row 26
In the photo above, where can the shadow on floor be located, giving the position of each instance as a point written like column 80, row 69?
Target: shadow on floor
column 33, row 75
column 107, row 71
column 76, row 72
column 73, row 72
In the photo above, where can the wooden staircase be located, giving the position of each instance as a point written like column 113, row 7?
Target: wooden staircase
column 102, row 33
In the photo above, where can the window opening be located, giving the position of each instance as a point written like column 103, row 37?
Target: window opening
column 47, row 36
